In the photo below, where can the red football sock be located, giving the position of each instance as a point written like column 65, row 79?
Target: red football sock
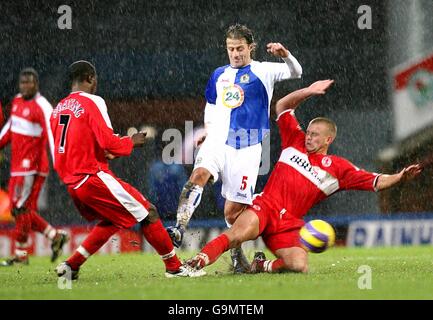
column 274, row 266
column 214, row 249
column 39, row 224
column 23, row 224
column 158, row 238
column 99, row 235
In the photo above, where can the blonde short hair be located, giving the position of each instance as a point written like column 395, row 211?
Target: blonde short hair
column 329, row 123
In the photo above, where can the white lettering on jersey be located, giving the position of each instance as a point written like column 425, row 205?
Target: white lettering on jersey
column 322, row 179
column 69, row 104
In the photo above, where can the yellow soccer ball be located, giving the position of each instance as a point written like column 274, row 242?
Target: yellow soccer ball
column 317, row 236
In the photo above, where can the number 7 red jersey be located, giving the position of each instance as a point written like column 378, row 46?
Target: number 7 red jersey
column 82, row 133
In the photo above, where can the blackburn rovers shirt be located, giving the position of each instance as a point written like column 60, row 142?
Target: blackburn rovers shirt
column 238, row 100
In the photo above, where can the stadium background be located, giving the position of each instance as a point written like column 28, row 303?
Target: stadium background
column 154, row 59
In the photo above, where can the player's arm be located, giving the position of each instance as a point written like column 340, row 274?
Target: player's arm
column 278, row 50
column 294, row 99
column 386, row 181
column 112, row 143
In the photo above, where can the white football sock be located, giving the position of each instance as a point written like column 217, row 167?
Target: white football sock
column 189, row 200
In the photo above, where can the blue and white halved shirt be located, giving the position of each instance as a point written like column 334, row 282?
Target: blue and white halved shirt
column 238, row 100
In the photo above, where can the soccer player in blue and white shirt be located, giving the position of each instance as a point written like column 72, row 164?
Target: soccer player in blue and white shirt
column 237, row 111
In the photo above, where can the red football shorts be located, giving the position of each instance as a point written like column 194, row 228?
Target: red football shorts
column 277, row 231
column 24, row 191
column 105, row 197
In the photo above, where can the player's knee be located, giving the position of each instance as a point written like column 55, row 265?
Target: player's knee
column 199, row 177
column 296, row 265
column 152, row 217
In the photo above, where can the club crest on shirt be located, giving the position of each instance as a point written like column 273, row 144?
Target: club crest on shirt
column 244, row 78
column 232, row 96
column 326, row 162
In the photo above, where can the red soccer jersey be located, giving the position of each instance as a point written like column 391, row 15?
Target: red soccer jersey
column 28, row 131
column 82, row 133
column 301, row 180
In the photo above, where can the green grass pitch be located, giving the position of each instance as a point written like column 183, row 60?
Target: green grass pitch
column 396, row 273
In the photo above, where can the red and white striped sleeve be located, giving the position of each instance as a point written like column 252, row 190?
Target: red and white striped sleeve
column 5, row 134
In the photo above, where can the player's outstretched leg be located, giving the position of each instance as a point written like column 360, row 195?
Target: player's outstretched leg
column 188, row 201
column 290, row 260
column 245, row 228
column 99, row 235
column 158, row 238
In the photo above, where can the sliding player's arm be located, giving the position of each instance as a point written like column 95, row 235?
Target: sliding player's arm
column 294, row 99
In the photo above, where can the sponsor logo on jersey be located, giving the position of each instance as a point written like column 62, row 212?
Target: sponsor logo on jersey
column 326, row 162
column 327, row 183
column 245, row 78
column 233, row 96
column 241, row 195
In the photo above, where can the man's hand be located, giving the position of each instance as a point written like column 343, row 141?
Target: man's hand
column 277, row 49
column 138, row 139
column 386, row 181
column 410, row 173
column 320, row 87
column 109, row 156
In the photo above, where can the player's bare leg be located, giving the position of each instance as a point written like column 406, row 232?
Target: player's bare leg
column 189, row 200
column 246, row 227
column 232, row 210
column 289, row 260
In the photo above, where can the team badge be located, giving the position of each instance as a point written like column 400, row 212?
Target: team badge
column 257, row 208
column 233, row 96
column 26, row 112
column 326, row 162
column 245, row 78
